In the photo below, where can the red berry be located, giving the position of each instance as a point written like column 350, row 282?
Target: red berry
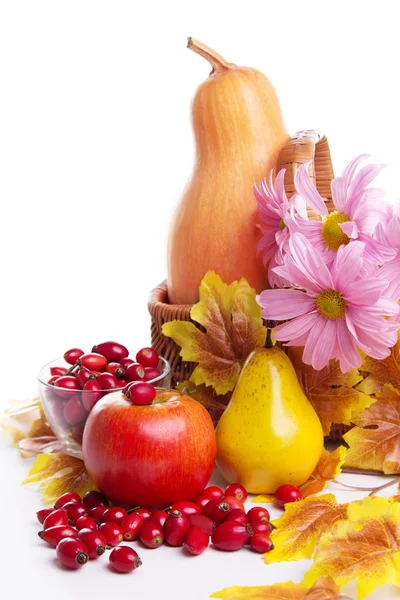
column 53, row 379
column 108, row 381
column 237, row 515
column 145, row 513
column 67, row 497
column 112, row 532
column 94, row 498
column 175, row 528
column 115, row 514
column 151, row 373
column 74, row 413
column 91, row 394
column 54, row 535
column 94, row 541
column 216, row 509
column 131, row 525
column 203, row 522
column 72, row 553
column 261, row 542
column 140, row 393
column 97, row 512
column 71, row 356
column 122, row 383
column 233, row 502
column 196, row 540
column 57, row 517
column 159, row 517
column 116, row 369
column 287, row 493
column 58, row 371
column 202, row 501
column 75, row 511
column 213, row 491
column 64, row 384
column 113, row 351
column 124, row 559
column 261, row 527
column 186, row 508
column 235, row 489
column 93, row 361
column 125, row 362
column 83, row 375
column 85, row 523
column 258, row 513
column 151, row 534
column 147, row 357
column 43, row 513
column 134, row 372
column 230, row 535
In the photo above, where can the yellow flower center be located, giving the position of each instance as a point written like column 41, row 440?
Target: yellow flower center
column 331, row 304
column 282, row 224
column 332, row 234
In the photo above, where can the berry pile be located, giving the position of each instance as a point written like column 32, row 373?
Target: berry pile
column 75, row 390
column 81, row 529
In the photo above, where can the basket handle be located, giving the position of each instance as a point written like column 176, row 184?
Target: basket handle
column 308, row 146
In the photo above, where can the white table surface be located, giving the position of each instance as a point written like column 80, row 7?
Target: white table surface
column 29, row 568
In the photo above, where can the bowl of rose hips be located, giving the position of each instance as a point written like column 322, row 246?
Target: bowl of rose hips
column 70, row 386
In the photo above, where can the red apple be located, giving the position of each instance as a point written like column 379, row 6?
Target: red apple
column 151, row 455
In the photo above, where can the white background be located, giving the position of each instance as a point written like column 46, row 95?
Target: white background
column 95, row 149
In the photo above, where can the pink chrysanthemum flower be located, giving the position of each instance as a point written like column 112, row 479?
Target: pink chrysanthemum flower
column 358, row 210
column 333, row 311
column 275, row 213
column 389, row 235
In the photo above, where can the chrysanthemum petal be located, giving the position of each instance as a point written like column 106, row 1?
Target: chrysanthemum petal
column 350, row 229
column 280, row 305
column 339, row 193
column 309, row 261
column 296, row 328
column 324, row 346
column 315, row 333
column 347, row 264
column 346, row 348
column 308, row 192
column 352, row 166
column 365, row 292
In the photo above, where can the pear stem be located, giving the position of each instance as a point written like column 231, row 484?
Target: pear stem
column 268, row 339
column 218, row 63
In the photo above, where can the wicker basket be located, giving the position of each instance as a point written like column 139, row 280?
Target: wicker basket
column 303, row 147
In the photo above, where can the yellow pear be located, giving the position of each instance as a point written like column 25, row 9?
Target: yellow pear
column 269, row 433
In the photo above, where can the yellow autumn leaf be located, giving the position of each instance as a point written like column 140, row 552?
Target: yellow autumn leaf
column 328, row 468
column 233, row 327
column 264, row 499
column 299, row 528
column 13, row 434
column 58, row 473
column 365, row 548
column 323, row 589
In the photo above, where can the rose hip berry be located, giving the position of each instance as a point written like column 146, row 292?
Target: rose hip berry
column 131, row 525
column 83, row 375
column 145, row 513
column 237, row 515
column 140, row 393
column 67, row 497
column 94, row 498
column 97, row 512
column 116, row 369
column 74, row 412
column 115, row 514
column 196, row 540
column 75, row 510
column 112, row 532
column 147, row 357
column 233, row 502
column 231, row 535
column 134, row 372
column 95, row 542
column 258, row 513
column 124, row 559
column 58, row 371
column 93, row 361
column 72, row 553
column 261, row 527
column 186, row 508
column 125, row 362
column 91, row 394
column 108, row 381
column 216, row 509
column 54, row 535
column 72, row 355
column 43, row 513
column 286, row 494
column 235, row 489
column 151, row 534
column 151, row 373
column 85, row 523
column 261, row 542
column 213, row 491
column 113, row 351
column 57, row 517
column 203, row 522
column 201, row 501
column 159, row 517
column 64, row 384
column 175, row 528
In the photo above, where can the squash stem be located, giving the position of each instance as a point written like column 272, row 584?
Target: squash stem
column 218, row 63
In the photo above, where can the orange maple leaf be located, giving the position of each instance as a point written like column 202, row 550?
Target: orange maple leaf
column 375, row 441
column 332, row 393
column 324, row 589
column 233, row 327
column 301, row 525
column 328, row 468
column 381, row 372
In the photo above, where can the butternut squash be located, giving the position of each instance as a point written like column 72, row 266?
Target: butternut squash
column 239, row 132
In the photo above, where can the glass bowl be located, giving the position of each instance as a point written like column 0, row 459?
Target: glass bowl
column 64, row 409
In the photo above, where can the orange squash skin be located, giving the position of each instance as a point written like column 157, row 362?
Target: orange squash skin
column 239, row 132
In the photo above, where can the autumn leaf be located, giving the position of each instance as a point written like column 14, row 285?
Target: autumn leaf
column 332, row 393
column 366, row 547
column 58, row 473
column 328, row 468
column 323, row 589
column 232, row 320
column 13, row 434
column 375, row 441
column 381, row 372
column 205, row 395
column 264, row 499
column 302, row 523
